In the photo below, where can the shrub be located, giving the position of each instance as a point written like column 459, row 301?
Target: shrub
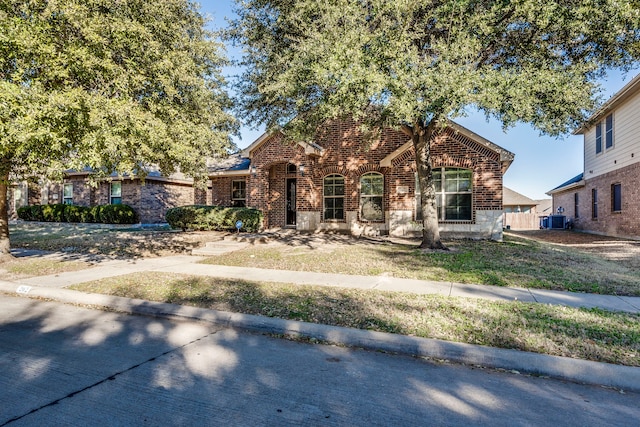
column 87, row 215
column 117, row 214
column 108, row 214
column 73, row 213
column 53, row 213
column 198, row 217
column 94, row 213
column 36, row 213
column 29, row 213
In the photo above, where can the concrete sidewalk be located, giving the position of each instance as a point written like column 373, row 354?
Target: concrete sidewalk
column 185, row 264
column 624, row 377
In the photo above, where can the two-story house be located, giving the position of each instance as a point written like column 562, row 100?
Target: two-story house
column 605, row 198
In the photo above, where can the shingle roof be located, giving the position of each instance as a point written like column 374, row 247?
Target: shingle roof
column 571, row 182
column 513, row 198
column 234, row 162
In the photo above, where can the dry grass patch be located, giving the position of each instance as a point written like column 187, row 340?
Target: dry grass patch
column 21, row 268
column 515, row 262
column 589, row 334
column 111, row 241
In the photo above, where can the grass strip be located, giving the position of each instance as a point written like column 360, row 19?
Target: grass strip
column 23, row 268
column 590, row 334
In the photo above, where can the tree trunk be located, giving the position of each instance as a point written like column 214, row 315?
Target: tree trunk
column 421, row 137
column 5, row 244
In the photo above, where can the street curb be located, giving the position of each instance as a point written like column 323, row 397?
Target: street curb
column 582, row 371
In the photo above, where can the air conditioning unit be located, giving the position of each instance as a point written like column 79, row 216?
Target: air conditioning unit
column 557, row 221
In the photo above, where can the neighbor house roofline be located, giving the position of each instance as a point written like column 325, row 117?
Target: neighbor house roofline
column 619, row 97
column 513, row 198
column 152, row 176
column 575, row 182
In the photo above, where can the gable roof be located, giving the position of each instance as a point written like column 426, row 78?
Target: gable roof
column 513, row 198
column 506, row 156
column 575, row 182
column 310, row 148
column 239, row 163
column 618, row 98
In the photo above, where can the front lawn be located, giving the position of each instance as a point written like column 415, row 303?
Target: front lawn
column 516, row 262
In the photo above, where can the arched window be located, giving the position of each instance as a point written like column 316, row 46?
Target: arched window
column 333, row 197
column 371, row 195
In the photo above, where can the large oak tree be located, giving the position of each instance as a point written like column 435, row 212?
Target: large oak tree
column 414, row 64
column 114, row 86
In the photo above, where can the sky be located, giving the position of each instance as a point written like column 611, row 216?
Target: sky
column 541, row 162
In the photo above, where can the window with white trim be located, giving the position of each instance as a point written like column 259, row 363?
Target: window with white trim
column 371, row 194
column 238, row 192
column 115, row 194
column 333, row 191
column 608, row 131
column 454, row 193
column 607, row 124
column 67, row 194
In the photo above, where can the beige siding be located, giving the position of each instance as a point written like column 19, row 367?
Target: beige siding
column 626, row 141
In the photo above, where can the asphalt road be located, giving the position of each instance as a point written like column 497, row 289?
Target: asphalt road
column 66, row 365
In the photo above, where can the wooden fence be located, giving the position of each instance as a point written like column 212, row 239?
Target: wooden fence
column 522, row 221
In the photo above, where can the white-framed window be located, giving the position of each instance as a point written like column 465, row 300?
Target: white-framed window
column 371, row 195
column 454, row 194
column 608, row 131
column 607, row 124
column 239, row 192
column 115, row 195
column 333, row 191
column 67, row 194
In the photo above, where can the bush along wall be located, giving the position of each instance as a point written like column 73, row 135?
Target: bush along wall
column 218, row 218
column 106, row 214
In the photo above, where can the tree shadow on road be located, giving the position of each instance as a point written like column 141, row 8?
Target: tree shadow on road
column 71, row 365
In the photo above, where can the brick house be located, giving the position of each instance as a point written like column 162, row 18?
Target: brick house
column 150, row 199
column 338, row 183
column 605, row 198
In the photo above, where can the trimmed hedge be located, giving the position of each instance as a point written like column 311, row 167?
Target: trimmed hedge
column 219, row 218
column 107, row 214
column 30, row 213
column 117, row 214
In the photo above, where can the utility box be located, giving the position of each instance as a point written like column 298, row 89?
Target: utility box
column 557, row 221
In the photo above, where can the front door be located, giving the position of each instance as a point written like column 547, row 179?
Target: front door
column 291, row 202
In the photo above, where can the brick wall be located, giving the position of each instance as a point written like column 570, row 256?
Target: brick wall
column 221, row 190
column 348, row 154
column 625, row 223
column 152, row 200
